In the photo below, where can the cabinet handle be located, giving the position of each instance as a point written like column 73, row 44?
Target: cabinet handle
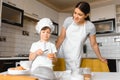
column 27, row 13
column 102, row 18
column 11, row 3
column 34, row 14
column 8, row 63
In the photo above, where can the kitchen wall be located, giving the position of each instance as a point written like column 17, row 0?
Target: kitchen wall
column 19, row 39
column 109, row 47
column 0, row 13
column 62, row 17
column 16, row 42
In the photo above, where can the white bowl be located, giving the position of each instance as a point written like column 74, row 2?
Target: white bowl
column 26, row 64
column 45, row 73
column 41, row 61
column 18, row 72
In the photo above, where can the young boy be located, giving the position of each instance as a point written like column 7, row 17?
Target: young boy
column 42, row 52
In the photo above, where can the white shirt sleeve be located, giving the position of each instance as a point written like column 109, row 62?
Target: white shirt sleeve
column 67, row 22
column 53, row 47
column 90, row 28
column 33, row 48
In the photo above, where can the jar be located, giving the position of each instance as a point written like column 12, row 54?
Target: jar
column 76, row 74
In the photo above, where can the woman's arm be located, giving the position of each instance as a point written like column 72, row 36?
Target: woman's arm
column 61, row 38
column 95, row 47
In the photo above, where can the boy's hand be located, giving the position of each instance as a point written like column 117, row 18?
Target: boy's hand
column 51, row 56
column 39, row 52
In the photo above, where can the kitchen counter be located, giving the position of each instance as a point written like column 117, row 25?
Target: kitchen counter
column 95, row 75
column 63, row 75
column 7, row 62
column 12, row 58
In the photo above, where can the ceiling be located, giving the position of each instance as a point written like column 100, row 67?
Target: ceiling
column 68, row 5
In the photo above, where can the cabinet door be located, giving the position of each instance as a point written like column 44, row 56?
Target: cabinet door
column 31, row 8
column 5, row 64
column 8, row 64
column 0, row 12
column 118, row 18
column 16, row 3
column 103, row 13
column 1, row 66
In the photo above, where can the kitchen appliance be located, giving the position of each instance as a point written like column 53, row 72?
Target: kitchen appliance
column 105, row 26
column 12, row 15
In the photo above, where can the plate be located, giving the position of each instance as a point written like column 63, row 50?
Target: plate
column 18, row 72
column 26, row 64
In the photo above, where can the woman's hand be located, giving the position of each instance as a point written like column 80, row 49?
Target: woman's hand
column 103, row 60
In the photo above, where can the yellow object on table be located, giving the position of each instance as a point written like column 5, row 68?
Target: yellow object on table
column 59, row 65
column 95, row 64
column 16, row 77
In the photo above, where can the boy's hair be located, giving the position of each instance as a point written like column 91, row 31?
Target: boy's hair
column 46, row 27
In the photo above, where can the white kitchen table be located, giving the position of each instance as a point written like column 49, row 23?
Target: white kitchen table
column 95, row 76
column 65, row 75
column 106, row 76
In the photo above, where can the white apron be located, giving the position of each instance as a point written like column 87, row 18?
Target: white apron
column 73, row 44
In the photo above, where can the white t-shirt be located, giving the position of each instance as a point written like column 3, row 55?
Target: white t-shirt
column 43, row 46
column 42, row 60
column 90, row 27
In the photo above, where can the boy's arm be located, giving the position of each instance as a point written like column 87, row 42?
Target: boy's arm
column 52, row 56
column 33, row 55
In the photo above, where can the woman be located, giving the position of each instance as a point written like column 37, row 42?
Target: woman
column 74, row 33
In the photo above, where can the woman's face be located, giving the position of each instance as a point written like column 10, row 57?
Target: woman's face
column 45, row 34
column 79, row 16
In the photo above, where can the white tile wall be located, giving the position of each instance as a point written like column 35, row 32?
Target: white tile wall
column 16, row 43
column 109, row 49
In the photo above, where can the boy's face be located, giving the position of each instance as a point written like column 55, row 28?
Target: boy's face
column 45, row 34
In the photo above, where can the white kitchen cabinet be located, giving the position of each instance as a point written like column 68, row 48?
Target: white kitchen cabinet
column 16, row 3
column 31, row 8
column 102, row 13
column 118, row 18
column 0, row 13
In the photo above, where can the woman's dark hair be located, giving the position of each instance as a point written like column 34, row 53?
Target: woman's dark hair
column 84, row 7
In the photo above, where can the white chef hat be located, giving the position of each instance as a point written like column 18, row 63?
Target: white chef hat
column 44, row 22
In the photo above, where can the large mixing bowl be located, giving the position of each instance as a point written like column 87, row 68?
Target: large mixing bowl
column 43, row 72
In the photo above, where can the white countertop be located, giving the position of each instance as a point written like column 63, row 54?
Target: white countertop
column 95, row 75
column 12, row 58
column 106, row 76
column 100, row 76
